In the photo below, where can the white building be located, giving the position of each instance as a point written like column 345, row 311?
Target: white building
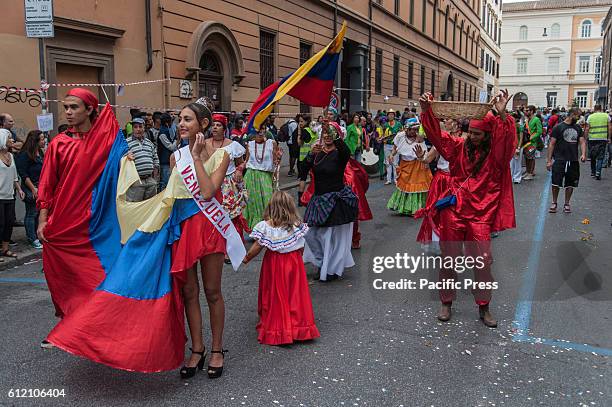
column 550, row 51
column 490, row 40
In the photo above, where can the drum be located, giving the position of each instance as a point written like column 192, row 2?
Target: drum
column 369, row 160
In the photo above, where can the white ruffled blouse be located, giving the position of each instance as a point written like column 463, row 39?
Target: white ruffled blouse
column 405, row 148
column 235, row 150
column 280, row 239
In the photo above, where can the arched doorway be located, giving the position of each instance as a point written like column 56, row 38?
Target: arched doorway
column 213, row 52
column 210, row 82
column 448, row 85
column 520, row 99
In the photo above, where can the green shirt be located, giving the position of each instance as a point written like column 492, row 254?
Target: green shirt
column 391, row 131
column 128, row 130
column 353, row 137
column 535, row 129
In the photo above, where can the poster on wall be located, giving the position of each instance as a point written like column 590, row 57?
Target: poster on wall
column 186, row 90
column 45, row 121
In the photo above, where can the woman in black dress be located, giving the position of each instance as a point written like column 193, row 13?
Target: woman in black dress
column 332, row 209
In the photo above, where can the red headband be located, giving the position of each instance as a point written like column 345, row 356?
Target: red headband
column 220, row 118
column 85, row 95
column 485, row 124
column 480, row 125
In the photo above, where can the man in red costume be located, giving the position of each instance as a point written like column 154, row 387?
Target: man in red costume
column 481, row 181
column 72, row 166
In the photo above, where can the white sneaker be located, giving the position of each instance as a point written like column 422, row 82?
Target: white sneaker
column 387, row 182
column 36, row 244
column 528, row 177
column 45, row 344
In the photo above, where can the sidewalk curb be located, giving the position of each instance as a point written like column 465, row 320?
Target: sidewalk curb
column 23, row 257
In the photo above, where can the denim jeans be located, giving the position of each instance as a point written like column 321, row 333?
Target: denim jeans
column 141, row 191
column 164, row 176
column 30, row 220
column 391, row 174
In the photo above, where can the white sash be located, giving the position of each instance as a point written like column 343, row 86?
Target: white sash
column 212, row 209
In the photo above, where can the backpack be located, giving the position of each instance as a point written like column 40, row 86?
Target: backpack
column 283, row 133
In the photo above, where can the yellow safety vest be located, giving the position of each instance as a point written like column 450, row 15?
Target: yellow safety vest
column 598, row 126
column 305, row 147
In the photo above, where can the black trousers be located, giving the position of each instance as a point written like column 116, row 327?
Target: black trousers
column 7, row 218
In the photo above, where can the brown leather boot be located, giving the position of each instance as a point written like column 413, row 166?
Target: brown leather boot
column 445, row 312
column 486, row 317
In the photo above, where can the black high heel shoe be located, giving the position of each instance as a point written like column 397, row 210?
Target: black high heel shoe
column 189, row 372
column 215, row 372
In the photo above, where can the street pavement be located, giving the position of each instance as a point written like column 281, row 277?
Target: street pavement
column 378, row 348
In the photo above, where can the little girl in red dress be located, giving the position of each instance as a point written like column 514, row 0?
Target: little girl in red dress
column 284, row 305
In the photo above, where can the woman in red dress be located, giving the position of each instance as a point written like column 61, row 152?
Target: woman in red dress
column 429, row 233
column 439, row 188
column 200, row 241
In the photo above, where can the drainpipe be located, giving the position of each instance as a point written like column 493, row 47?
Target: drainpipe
column 369, row 81
column 148, row 35
column 339, row 67
column 335, row 17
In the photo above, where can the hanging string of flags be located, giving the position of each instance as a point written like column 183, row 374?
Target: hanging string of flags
column 44, row 86
column 116, row 85
column 353, row 90
column 164, row 109
column 20, row 90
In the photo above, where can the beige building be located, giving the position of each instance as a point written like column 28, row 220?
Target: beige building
column 585, row 61
column 230, row 50
column 551, row 51
column 95, row 42
column 490, row 41
column 605, row 82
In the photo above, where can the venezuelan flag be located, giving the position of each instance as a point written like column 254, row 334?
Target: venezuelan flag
column 128, row 311
column 312, row 83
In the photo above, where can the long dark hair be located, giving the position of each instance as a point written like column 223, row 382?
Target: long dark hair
column 484, row 148
column 31, row 147
column 202, row 111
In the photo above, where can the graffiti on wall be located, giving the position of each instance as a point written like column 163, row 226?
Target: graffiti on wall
column 12, row 94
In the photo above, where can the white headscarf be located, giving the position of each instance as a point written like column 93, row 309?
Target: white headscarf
column 4, row 136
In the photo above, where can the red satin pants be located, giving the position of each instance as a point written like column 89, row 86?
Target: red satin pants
column 459, row 237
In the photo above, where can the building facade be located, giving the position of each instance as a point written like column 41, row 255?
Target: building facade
column 490, row 42
column 604, row 94
column 230, row 50
column 550, row 51
column 95, row 42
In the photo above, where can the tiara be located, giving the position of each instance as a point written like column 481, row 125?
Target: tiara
column 206, row 102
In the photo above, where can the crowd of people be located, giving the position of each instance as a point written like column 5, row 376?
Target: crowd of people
column 19, row 175
column 456, row 175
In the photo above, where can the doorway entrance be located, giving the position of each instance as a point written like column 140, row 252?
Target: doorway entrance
column 211, row 79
